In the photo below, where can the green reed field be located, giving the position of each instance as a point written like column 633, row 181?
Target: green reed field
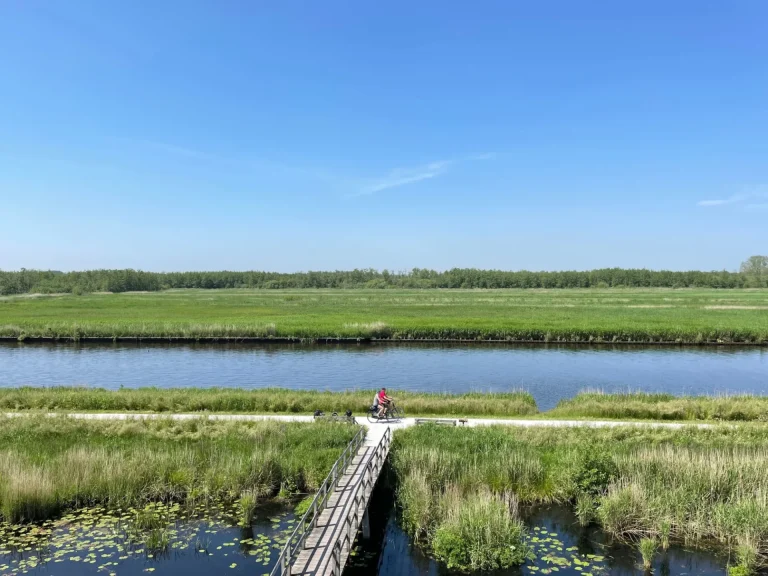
column 584, row 315
column 697, row 486
column 260, row 401
column 645, row 406
column 516, row 404
column 49, row 465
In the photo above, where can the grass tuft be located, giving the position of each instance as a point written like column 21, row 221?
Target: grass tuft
column 479, row 532
column 647, row 548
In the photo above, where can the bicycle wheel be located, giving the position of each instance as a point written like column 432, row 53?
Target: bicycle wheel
column 396, row 413
column 372, row 417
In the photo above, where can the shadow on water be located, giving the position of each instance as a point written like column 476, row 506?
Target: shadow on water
column 560, row 544
column 549, row 371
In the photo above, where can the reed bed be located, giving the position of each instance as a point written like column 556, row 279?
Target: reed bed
column 594, row 315
column 647, row 406
column 587, row 405
column 261, row 401
column 48, row 465
column 691, row 485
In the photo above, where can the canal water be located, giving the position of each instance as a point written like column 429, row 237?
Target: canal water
column 549, row 372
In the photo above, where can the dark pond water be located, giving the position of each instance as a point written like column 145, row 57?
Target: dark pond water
column 560, row 544
column 110, row 544
column 549, row 372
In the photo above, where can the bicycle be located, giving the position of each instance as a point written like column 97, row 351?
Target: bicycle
column 393, row 413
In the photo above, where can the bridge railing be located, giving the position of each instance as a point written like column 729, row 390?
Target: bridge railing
column 297, row 538
column 363, row 490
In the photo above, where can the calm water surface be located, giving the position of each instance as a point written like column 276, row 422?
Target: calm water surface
column 549, row 372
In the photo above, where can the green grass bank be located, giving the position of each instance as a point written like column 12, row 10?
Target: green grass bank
column 49, row 465
column 579, row 315
column 260, row 401
column 695, row 486
column 519, row 404
column 646, row 406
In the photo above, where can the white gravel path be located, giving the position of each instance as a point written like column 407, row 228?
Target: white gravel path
column 405, row 423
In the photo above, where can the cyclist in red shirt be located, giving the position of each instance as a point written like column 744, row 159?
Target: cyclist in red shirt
column 384, row 401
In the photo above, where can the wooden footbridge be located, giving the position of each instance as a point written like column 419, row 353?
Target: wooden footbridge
column 323, row 538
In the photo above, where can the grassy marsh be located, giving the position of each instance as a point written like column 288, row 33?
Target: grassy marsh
column 49, row 465
column 583, row 315
column 258, row 401
column 518, row 404
column 659, row 406
column 692, row 485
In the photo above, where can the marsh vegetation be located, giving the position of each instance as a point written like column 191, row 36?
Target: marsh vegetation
column 257, row 401
column 51, row 465
column 697, row 486
column 593, row 315
column 653, row 406
column 517, row 404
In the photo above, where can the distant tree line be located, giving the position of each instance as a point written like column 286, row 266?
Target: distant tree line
column 754, row 273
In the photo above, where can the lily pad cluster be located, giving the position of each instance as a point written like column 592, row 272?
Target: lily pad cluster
column 136, row 541
column 551, row 556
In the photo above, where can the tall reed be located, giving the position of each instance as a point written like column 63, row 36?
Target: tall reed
column 50, row 464
column 479, row 531
column 695, row 485
column 259, row 401
column 651, row 406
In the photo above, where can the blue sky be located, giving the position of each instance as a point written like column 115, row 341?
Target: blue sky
column 287, row 136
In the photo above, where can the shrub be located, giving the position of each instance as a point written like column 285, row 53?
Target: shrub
column 595, row 473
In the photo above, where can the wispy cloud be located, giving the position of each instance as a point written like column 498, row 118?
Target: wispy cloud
column 722, row 202
column 403, row 176
column 396, row 177
column 186, row 152
column 751, row 194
